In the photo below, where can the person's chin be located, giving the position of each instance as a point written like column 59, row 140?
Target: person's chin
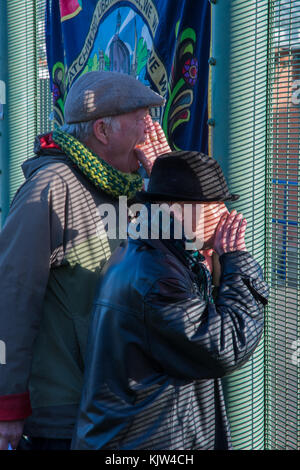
column 132, row 169
column 208, row 244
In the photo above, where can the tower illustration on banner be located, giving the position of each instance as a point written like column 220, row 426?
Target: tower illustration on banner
column 123, row 43
column 119, row 54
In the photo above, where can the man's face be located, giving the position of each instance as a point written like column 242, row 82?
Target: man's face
column 130, row 132
column 202, row 219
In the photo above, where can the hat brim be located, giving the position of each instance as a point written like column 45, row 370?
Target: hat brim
column 145, row 196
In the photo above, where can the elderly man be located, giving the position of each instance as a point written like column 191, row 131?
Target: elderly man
column 52, row 249
column 159, row 343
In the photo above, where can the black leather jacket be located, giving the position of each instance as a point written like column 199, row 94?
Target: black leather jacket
column 157, row 350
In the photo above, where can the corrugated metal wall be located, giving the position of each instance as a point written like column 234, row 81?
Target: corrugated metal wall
column 239, row 97
column 256, row 117
column 28, row 97
column 283, row 232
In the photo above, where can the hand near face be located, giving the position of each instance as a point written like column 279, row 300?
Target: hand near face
column 155, row 144
column 143, row 160
column 208, row 259
column 10, row 433
column 211, row 214
column 230, row 233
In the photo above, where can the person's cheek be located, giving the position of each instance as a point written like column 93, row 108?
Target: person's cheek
column 210, row 226
column 223, row 210
column 212, row 213
column 141, row 134
column 212, row 217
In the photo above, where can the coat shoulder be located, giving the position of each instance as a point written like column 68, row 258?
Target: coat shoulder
column 159, row 265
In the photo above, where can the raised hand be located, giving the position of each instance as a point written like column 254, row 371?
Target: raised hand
column 230, row 233
column 155, row 144
column 208, row 259
column 10, row 433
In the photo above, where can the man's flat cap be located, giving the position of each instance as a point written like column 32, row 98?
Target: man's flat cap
column 98, row 94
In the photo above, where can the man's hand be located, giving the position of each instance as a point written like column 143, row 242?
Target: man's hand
column 143, row 160
column 230, row 233
column 10, row 433
column 208, row 259
column 155, row 144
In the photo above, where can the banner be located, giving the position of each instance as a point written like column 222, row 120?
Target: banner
column 163, row 43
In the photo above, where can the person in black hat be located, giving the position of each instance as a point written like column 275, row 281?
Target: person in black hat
column 159, row 340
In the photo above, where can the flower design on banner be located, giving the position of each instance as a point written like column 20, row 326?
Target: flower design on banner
column 190, row 71
column 56, row 92
column 181, row 86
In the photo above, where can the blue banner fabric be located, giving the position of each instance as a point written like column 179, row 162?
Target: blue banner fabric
column 163, row 43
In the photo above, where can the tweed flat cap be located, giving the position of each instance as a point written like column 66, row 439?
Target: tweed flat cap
column 99, row 94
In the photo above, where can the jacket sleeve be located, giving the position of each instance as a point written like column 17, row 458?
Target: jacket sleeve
column 33, row 230
column 191, row 338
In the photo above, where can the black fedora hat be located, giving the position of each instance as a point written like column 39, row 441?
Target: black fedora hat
column 186, row 176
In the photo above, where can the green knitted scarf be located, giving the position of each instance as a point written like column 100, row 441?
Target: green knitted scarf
column 101, row 174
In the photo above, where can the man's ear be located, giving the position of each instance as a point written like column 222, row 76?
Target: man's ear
column 100, row 131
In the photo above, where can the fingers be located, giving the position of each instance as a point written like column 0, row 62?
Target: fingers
column 15, row 441
column 219, row 230
column 161, row 137
column 155, row 143
column 12, row 440
column 10, row 433
column 240, row 238
column 234, row 223
column 151, row 130
column 4, row 443
column 230, row 233
column 208, row 259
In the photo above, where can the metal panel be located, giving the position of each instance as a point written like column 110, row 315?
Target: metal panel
column 22, row 89
column 4, row 199
column 239, row 84
column 283, row 322
column 29, row 101
column 248, row 124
